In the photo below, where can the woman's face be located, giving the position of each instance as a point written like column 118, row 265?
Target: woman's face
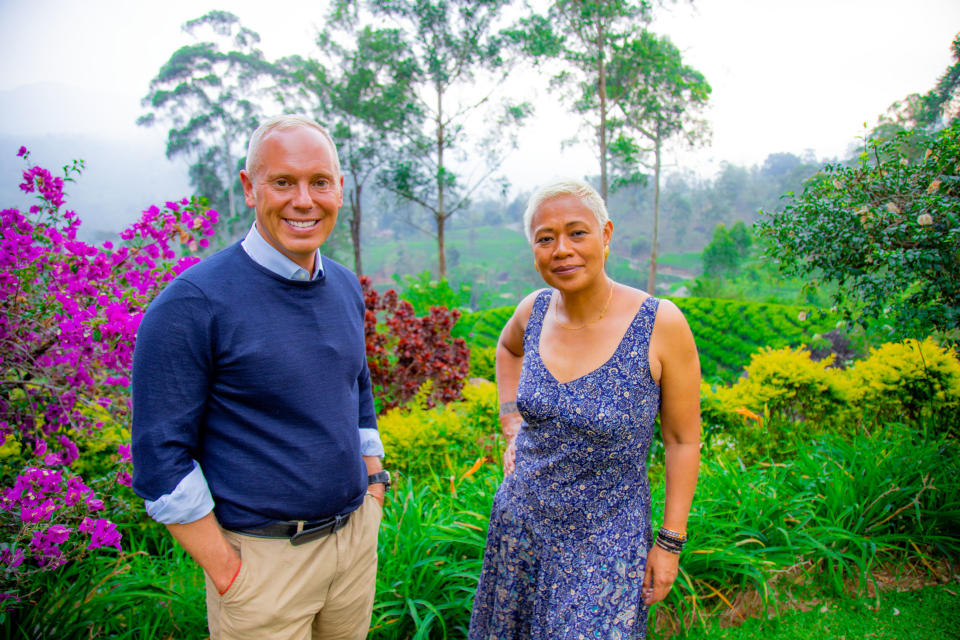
column 568, row 243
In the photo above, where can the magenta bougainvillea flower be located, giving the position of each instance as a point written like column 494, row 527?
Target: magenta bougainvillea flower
column 69, row 312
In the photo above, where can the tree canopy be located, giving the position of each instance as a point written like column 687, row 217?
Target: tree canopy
column 886, row 231
column 206, row 92
column 460, row 61
column 584, row 34
column 657, row 97
column 937, row 108
column 364, row 93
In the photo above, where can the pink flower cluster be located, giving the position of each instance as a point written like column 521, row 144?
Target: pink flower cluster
column 41, row 494
column 69, row 313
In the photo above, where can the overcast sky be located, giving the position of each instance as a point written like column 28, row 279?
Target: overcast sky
column 789, row 76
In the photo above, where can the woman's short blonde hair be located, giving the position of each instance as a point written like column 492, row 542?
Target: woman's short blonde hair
column 583, row 190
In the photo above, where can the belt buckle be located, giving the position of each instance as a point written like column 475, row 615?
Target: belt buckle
column 302, row 537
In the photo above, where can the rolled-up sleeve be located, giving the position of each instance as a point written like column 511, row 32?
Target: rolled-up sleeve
column 188, row 502
column 370, row 444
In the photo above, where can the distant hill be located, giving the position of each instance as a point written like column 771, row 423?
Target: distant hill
column 126, row 170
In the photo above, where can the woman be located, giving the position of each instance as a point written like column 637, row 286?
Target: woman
column 582, row 370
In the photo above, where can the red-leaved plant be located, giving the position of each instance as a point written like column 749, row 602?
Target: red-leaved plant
column 404, row 350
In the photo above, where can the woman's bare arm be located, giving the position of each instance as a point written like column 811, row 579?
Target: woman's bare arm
column 680, row 427
column 509, row 364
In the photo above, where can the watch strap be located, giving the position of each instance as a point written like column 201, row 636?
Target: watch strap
column 382, row 477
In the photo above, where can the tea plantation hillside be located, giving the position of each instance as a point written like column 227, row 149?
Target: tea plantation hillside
column 726, row 331
column 497, row 264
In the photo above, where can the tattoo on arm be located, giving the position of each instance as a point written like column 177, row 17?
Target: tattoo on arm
column 507, row 408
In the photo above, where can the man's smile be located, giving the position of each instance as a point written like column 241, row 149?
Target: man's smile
column 301, row 224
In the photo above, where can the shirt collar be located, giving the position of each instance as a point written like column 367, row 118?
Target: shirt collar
column 266, row 255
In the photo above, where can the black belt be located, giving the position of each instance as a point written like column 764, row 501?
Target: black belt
column 299, row 531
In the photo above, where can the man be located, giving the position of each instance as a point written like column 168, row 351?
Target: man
column 254, row 431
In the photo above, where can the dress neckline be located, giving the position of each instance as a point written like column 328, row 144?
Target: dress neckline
column 547, row 295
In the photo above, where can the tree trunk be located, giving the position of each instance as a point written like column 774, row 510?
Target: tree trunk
column 355, row 219
column 231, row 199
column 651, row 284
column 441, row 223
column 440, row 215
column 602, row 91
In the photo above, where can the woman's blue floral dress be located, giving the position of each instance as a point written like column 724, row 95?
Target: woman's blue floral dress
column 570, row 529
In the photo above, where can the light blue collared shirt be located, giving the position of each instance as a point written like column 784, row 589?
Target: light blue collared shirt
column 191, row 499
column 266, row 255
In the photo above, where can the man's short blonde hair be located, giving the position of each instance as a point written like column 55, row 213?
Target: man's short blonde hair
column 583, row 190
column 278, row 123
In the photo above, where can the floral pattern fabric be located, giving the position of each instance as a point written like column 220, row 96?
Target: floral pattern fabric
column 570, row 528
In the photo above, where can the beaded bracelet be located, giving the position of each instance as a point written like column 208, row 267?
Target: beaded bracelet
column 673, row 535
column 671, row 541
column 668, row 547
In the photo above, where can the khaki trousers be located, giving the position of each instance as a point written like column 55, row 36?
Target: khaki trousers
column 319, row 590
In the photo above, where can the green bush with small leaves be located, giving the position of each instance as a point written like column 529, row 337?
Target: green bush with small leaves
column 420, row 440
column 908, row 381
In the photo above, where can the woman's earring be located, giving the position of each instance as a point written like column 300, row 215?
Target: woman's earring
column 606, row 252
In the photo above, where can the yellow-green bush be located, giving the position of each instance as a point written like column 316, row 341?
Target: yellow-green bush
column 483, row 362
column 785, row 391
column 444, row 439
column 790, row 387
column 906, row 381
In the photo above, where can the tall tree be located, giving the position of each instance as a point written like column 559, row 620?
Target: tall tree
column 584, row 34
column 204, row 92
column 657, row 97
column 938, row 107
column 364, row 93
column 460, row 64
column 885, row 231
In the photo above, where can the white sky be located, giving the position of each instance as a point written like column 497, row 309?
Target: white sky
column 787, row 75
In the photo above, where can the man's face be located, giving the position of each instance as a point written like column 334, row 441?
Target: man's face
column 296, row 192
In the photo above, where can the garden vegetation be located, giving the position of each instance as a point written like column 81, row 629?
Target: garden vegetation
column 819, row 482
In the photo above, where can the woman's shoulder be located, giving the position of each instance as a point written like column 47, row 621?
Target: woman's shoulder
column 633, row 298
column 516, row 327
column 670, row 327
column 665, row 306
column 525, row 307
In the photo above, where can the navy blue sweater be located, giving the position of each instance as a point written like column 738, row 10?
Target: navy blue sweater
column 263, row 381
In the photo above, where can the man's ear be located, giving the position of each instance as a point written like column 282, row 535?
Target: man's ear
column 248, row 192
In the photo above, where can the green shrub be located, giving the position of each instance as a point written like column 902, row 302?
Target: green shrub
column 423, row 292
column 783, row 393
column 419, row 440
column 483, row 363
column 728, row 332
column 482, row 328
column 902, row 381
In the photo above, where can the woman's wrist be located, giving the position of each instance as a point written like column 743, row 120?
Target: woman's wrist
column 670, row 540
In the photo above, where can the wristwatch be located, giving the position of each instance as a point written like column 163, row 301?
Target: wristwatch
column 382, row 477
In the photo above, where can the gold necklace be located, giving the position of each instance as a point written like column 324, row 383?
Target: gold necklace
column 556, row 316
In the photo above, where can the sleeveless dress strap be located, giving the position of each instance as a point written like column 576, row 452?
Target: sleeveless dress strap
column 640, row 330
column 531, row 334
